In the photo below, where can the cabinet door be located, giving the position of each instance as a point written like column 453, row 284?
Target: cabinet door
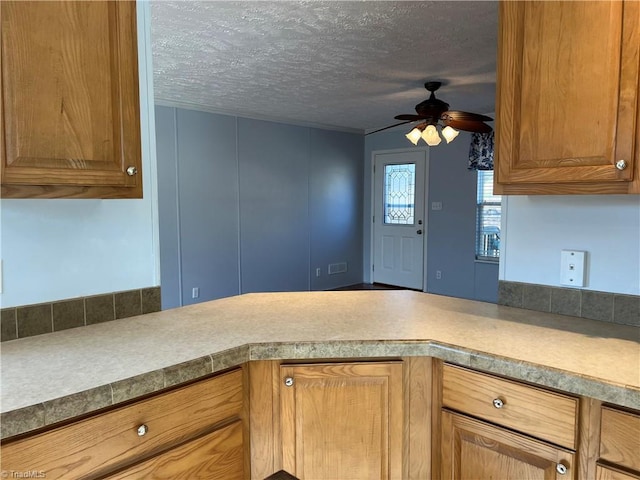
column 70, row 102
column 607, row 473
column 216, row 456
column 342, row 420
column 475, row 450
column 567, row 103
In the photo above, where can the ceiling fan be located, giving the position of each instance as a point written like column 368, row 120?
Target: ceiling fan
column 434, row 112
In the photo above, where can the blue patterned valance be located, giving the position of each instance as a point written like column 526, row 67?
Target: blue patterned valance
column 481, row 151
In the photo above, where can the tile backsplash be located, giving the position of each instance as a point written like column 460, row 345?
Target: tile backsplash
column 603, row 306
column 29, row 320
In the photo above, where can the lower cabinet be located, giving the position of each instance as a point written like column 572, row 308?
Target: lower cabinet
column 413, row 418
column 498, row 428
column 217, row 455
column 342, row 420
column 477, row 450
column 608, row 473
column 619, row 452
column 192, row 432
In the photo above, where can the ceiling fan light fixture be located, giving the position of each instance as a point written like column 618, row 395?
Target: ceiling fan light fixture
column 414, row 135
column 430, row 136
column 449, row 133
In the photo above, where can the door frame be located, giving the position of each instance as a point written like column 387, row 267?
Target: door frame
column 426, row 209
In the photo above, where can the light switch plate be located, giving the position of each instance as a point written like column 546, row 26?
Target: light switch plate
column 572, row 268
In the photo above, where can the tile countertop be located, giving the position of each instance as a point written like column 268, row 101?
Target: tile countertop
column 53, row 377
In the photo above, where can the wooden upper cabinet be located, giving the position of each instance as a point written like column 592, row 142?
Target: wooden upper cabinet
column 567, row 103
column 70, row 103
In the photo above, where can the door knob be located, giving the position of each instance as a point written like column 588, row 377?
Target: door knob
column 419, row 232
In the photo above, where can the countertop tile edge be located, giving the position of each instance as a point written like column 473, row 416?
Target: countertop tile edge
column 34, row 417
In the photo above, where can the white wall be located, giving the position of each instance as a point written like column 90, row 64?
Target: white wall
column 57, row 249
column 536, row 228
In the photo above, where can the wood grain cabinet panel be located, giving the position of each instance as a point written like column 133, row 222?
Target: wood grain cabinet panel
column 70, row 102
column 608, row 473
column 106, row 442
column 620, row 438
column 567, row 98
column 342, row 420
column 475, row 450
column 216, row 456
column 540, row 413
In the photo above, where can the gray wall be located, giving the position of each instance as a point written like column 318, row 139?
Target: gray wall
column 247, row 205
column 450, row 231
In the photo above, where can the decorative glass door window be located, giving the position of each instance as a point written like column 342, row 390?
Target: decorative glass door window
column 399, row 194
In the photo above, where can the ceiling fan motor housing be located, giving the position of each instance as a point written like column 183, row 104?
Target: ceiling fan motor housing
column 432, row 108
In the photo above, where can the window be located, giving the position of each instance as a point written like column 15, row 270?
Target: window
column 399, row 193
column 488, row 213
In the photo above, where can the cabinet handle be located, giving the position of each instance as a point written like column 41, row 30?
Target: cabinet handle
column 288, row 381
column 142, row 430
column 621, row 164
column 131, row 171
column 498, row 402
column 562, row 469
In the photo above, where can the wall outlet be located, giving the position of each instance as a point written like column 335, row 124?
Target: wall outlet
column 438, row 274
column 572, row 267
column 195, row 292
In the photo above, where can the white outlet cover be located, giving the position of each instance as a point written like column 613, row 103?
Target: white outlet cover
column 572, row 268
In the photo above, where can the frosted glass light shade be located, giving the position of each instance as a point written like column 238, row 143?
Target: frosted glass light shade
column 414, row 136
column 449, row 133
column 430, row 135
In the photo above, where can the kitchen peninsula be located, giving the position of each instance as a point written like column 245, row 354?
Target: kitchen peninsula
column 54, row 378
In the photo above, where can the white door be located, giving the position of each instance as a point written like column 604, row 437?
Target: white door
column 399, row 220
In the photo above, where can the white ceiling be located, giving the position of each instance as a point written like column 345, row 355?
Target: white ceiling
column 350, row 65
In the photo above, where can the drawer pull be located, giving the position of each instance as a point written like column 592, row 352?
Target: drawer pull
column 288, row 381
column 142, row 430
column 498, row 402
column 621, row 164
column 562, row 469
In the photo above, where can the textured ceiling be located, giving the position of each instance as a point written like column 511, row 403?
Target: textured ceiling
column 341, row 64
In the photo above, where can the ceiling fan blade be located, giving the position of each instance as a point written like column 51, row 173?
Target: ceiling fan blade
column 411, row 118
column 468, row 126
column 467, row 116
column 390, row 126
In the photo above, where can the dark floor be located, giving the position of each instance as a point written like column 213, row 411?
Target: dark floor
column 370, row 286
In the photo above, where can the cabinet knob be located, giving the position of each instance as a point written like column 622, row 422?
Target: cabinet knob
column 562, row 469
column 498, row 402
column 621, row 164
column 131, row 171
column 142, row 430
column 288, row 381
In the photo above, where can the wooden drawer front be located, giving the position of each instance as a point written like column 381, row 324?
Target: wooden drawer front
column 607, row 473
column 216, row 456
column 620, row 438
column 108, row 441
column 536, row 412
